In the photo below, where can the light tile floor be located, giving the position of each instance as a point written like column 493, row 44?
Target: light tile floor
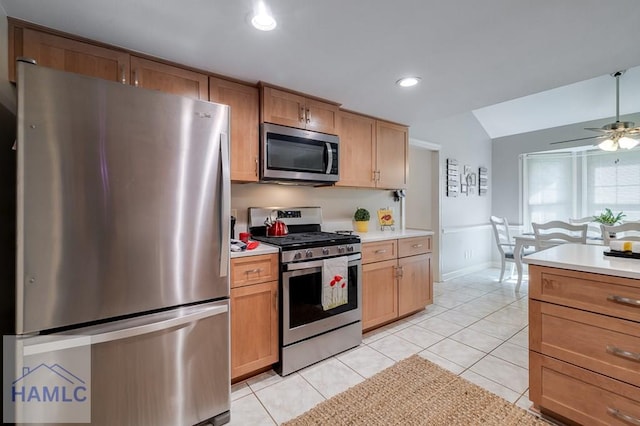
column 476, row 328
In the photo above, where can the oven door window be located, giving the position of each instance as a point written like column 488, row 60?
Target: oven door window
column 305, row 297
column 296, row 154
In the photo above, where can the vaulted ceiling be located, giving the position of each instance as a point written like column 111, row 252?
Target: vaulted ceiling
column 470, row 54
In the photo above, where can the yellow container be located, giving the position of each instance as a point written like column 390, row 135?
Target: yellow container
column 362, row 226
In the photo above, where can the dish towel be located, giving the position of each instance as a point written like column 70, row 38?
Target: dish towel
column 335, row 291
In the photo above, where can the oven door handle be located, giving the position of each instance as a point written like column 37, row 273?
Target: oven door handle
column 316, row 263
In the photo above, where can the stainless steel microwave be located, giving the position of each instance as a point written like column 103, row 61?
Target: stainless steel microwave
column 296, row 155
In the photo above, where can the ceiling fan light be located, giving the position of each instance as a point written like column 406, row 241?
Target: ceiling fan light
column 408, row 81
column 262, row 18
column 627, row 142
column 608, row 145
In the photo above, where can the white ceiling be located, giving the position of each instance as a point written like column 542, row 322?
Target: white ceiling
column 470, row 54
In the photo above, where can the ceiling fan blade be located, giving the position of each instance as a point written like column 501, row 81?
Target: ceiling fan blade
column 598, row 129
column 577, row 139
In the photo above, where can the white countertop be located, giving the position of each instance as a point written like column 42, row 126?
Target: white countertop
column 261, row 249
column 585, row 258
column 366, row 237
column 371, row 236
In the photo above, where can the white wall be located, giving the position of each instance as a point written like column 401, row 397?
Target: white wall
column 506, row 174
column 466, row 240
column 419, row 190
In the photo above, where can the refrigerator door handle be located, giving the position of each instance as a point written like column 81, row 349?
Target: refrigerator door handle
column 225, row 206
column 118, row 333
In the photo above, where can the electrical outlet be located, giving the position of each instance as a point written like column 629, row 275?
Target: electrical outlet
column 234, row 213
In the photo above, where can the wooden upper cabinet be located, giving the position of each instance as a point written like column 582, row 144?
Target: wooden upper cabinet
column 392, row 145
column 244, row 101
column 357, row 150
column 167, row 78
column 321, row 116
column 295, row 110
column 373, row 153
column 282, row 107
column 68, row 55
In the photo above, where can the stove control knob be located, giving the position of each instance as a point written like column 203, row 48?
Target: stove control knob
column 325, row 251
column 297, row 256
column 340, row 249
column 309, row 253
column 350, row 249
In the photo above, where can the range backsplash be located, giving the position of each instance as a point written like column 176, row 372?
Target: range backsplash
column 338, row 204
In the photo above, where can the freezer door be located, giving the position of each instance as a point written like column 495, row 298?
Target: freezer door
column 123, row 199
column 170, row 368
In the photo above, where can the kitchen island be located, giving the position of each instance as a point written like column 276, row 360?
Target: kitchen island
column 584, row 335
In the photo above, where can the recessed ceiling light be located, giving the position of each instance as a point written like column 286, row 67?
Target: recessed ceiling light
column 262, row 19
column 408, row 81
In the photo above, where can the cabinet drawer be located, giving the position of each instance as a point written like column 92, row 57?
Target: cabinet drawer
column 619, row 297
column 606, row 345
column 583, row 396
column 413, row 246
column 254, row 269
column 379, row 251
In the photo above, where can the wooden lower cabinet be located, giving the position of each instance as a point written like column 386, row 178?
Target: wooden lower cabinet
column 254, row 327
column 394, row 286
column 254, row 314
column 584, row 346
column 414, row 288
column 379, row 293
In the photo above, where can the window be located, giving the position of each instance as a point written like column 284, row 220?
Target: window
column 549, row 186
column 613, row 181
column 606, row 179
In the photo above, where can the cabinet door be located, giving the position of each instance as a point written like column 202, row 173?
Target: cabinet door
column 392, row 144
column 280, row 107
column 245, row 103
column 357, row 150
column 379, row 293
column 74, row 56
column 414, row 287
column 321, row 116
column 254, row 327
column 167, row 78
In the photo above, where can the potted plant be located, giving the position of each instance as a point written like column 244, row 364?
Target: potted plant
column 608, row 218
column 362, row 217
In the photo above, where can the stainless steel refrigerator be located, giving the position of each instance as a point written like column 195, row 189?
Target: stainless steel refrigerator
column 123, row 213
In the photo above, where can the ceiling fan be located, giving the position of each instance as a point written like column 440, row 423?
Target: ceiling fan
column 620, row 134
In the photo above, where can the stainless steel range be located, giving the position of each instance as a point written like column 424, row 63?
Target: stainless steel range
column 320, row 286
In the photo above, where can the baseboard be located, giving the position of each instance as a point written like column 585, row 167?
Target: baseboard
column 464, row 271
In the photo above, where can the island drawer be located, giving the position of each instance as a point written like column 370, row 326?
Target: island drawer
column 254, row 269
column 413, row 246
column 600, row 343
column 379, row 251
column 554, row 386
column 608, row 295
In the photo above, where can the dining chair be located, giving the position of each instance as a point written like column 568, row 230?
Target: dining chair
column 593, row 228
column 504, row 243
column 556, row 232
column 629, row 231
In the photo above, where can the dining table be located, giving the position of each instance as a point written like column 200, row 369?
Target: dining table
column 528, row 239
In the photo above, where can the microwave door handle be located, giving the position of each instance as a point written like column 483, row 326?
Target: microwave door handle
column 329, row 153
